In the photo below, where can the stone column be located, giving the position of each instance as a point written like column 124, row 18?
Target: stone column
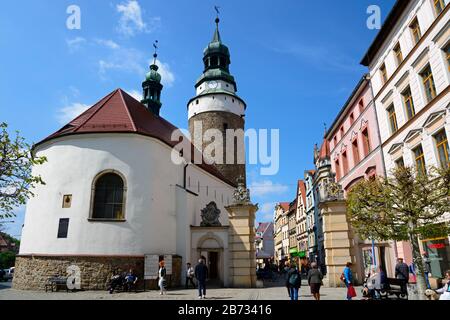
column 337, row 240
column 241, row 218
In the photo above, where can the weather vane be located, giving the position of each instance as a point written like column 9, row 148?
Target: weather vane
column 218, row 12
column 155, row 55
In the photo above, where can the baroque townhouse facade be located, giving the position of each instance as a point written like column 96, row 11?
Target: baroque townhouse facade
column 409, row 66
column 355, row 155
column 302, row 230
column 281, row 231
column 310, row 215
column 292, row 230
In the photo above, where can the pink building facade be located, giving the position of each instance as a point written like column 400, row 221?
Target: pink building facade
column 355, row 155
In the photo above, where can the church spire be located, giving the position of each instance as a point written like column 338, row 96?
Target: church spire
column 216, row 37
column 152, row 86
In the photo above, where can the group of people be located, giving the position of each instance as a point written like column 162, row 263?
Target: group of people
column 294, row 280
column 200, row 273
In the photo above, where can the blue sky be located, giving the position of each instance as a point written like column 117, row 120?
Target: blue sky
column 295, row 63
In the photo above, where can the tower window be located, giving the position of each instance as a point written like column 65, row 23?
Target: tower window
column 225, row 126
column 196, row 102
column 67, row 201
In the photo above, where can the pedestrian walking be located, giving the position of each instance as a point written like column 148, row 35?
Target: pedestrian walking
column 347, row 277
column 162, row 277
column 402, row 273
column 286, row 269
column 426, row 269
column 189, row 275
column 293, row 282
column 201, row 274
column 315, row 280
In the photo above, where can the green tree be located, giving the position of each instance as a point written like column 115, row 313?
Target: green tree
column 16, row 179
column 7, row 259
column 404, row 206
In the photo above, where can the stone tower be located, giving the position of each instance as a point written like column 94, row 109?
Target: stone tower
column 216, row 106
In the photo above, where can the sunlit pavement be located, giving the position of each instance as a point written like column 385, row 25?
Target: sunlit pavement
column 272, row 291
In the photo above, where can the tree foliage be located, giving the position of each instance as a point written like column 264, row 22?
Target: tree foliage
column 403, row 205
column 16, row 178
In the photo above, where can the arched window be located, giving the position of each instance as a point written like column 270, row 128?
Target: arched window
column 109, row 197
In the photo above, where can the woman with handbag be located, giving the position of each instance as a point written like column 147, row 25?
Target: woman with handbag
column 315, row 280
column 347, row 276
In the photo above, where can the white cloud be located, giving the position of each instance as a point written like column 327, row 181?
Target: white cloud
column 70, row 112
column 135, row 94
column 107, row 43
column 128, row 60
column 259, row 189
column 131, row 19
column 75, row 43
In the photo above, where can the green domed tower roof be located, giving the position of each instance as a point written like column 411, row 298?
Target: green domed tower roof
column 216, row 59
column 153, row 75
column 152, row 87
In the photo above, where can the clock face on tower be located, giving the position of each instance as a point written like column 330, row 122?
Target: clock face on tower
column 212, row 84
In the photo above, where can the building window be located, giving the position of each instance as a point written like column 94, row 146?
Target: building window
column 447, row 55
column 420, row 160
column 383, row 73
column 439, row 6
column 442, row 148
column 342, row 132
column 392, row 118
column 400, row 163
column 366, row 141
column 428, row 83
column 337, row 167
column 361, row 106
column 398, row 54
column 409, row 104
column 355, row 151
column 415, row 31
column 352, row 118
column 345, row 162
column 63, row 228
column 109, row 197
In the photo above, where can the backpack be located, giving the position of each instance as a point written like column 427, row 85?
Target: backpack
column 293, row 279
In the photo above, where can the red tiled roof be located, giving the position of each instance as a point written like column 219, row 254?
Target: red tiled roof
column 302, row 189
column 262, row 226
column 284, row 206
column 118, row 112
column 324, row 150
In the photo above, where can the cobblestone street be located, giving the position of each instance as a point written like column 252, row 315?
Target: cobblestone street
column 274, row 292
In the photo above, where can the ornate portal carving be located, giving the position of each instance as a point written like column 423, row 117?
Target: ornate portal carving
column 333, row 191
column 210, row 215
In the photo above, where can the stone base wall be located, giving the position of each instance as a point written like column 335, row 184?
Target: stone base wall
column 32, row 272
